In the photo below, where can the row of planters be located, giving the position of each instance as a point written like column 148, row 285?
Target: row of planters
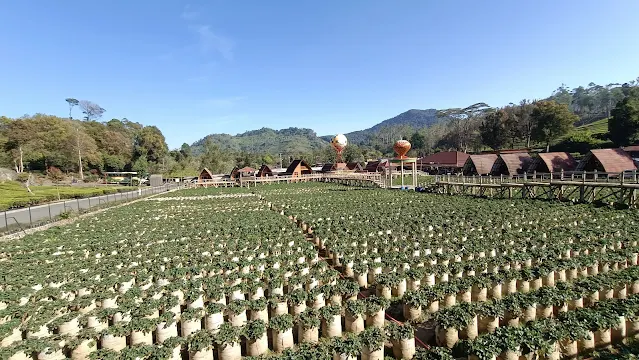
column 167, row 271
column 254, row 339
column 157, row 320
column 494, row 286
column 571, row 333
column 395, row 283
column 468, row 320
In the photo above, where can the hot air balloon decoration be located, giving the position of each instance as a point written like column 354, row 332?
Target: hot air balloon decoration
column 338, row 143
column 401, row 148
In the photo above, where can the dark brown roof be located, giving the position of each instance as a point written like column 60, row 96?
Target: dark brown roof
column 555, row 161
column 354, row 166
column 291, row 168
column 613, row 160
column 483, row 163
column 264, row 171
column 445, row 158
column 206, row 171
column 515, row 163
column 371, row 166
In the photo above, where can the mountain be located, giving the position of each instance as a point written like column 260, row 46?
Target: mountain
column 414, row 117
column 303, row 141
column 289, row 141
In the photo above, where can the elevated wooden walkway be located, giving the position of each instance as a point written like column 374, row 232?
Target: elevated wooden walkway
column 585, row 187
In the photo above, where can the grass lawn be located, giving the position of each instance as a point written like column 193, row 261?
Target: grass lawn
column 597, row 127
column 14, row 195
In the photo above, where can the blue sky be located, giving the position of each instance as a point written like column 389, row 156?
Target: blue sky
column 194, row 68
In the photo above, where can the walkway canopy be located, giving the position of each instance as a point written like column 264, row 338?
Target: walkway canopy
column 607, row 160
column 479, row 164
column 553, row 162
column 511, row 164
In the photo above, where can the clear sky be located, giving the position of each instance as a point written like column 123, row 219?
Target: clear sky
column 194, row 68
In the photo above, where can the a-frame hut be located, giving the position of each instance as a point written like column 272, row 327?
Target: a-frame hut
column 298, row 168
column 354, row 166
column 205, row 175
column 479, row 164
column 552, row 162
column 606, row 160
column 511, row 164
column 328, row 167
column 264, row 171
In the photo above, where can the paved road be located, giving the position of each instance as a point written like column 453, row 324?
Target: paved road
column 39, row 214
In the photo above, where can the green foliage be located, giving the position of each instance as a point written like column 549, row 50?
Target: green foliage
column 14, row 194
column 580, row 142
column 254, row 329
column 494, row 130
column 281, row 322
column 553, row 120
column 624, row 123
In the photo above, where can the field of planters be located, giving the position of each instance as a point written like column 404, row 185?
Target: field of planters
column 318, row 271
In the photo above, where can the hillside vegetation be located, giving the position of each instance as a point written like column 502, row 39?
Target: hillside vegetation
column 265, row 140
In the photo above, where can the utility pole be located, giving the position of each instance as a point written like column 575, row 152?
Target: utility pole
column 280, row 160
column 77, row 138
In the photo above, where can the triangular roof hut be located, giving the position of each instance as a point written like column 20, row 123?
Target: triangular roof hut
column 511, row 164
column 205, row 174
column 264, row 171
column 297, row 168
column 606, row 160
column 479, row 164
column 553, row 162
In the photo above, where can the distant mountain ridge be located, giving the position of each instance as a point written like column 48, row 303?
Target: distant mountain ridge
column 300, row 140
column 413, row 117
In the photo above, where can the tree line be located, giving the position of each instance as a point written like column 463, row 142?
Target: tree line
column 545, row 123
column 87, row 144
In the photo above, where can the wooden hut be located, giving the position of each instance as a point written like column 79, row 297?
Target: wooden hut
column 354, row 166
column 373, row 166
column 479, row 164
column 245, row 171
column 379, row 166
column 552, row 162
column 298, row 168
column 511, row 164
column 607, row 161
column 328, row 167
column 444, row 161
column 205, row 175
column 264, row 171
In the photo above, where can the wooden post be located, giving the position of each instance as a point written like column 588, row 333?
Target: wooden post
column 535, row 175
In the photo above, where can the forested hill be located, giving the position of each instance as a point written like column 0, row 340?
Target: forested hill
column 414, row 118
column 265, row 140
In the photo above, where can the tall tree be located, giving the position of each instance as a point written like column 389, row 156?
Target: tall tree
column 74, row 102
column 623, row 126
column 493, row 130
column 553, row 120
column 526, row 123
column 418, row 142
column 464, row 125
column 91, row 110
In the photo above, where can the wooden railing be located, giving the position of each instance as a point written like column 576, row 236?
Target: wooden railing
column 252, row 180
column 625, row 177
